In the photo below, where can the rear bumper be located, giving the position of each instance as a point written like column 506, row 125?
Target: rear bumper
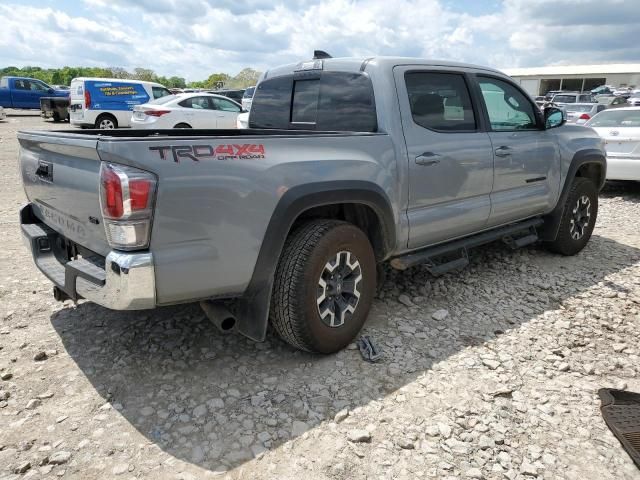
column 623, row 168
column 121, row 281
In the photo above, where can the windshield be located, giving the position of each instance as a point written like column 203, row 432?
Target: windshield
column 163, row 100
column 616, row 118
column 248, row 93
column 564, row 99
column 579, row 108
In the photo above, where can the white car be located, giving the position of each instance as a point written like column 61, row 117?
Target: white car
column 187, row 110
column 620, row 129
column 2, row 114
column 243, row 120
column 247, row 98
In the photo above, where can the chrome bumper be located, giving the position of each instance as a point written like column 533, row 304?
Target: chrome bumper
column 121, row 281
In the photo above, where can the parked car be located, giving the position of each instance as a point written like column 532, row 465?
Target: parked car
column 603, row 90
column 551, row 93
column 634, row 100
column 235, row 95
column 566, row 98
column 580, row 113
column 247, row 98
column 611, row 101
column 288, row 220
column 2, row 114
column 620, row 129
column 107, row 103
column 56, row 108
column 622, row 92
column 187, row 110
column 25, row 93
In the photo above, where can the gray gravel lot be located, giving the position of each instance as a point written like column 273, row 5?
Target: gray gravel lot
column 491, row 373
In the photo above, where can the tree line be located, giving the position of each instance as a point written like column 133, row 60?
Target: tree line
column 62, row 76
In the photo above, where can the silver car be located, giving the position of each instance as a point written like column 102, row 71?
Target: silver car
column 581, row 113
column 634, row 100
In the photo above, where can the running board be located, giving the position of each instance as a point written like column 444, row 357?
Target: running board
column 451, row 256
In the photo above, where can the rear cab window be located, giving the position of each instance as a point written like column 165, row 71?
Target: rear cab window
column 327, row 100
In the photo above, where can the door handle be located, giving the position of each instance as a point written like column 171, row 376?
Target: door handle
column 503, row 151
column 427, row 159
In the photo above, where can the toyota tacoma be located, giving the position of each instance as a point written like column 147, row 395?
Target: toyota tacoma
column 347, row 163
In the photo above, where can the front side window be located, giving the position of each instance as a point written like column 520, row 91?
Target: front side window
column 224, row 105
column 38, row 87
column 440, row 101
column 507, row 107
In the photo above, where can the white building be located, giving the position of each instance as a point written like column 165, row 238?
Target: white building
column 538, row 81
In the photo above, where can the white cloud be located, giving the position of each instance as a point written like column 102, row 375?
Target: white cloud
column 193, row 38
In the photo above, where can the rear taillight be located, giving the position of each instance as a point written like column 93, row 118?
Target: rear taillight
column 156, row 113
column 584, row 116
column 127, row 195
column 87, row 99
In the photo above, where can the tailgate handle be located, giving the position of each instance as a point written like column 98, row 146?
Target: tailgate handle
column 45, row 171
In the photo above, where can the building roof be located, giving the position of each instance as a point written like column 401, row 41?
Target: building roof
column 574, row 70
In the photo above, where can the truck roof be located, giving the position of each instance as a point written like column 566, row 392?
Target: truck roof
column 379, row 62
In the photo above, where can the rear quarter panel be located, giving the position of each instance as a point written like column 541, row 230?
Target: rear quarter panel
column 211, row 214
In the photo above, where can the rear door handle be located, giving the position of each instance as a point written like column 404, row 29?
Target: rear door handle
column 503, row 151
column 428, row 158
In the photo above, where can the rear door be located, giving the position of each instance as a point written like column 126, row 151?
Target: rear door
column 450, row 159
column 526, row 157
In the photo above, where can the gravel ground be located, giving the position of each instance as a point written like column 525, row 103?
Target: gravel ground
column 491, row 373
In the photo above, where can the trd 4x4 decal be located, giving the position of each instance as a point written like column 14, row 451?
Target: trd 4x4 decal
column 247, row 151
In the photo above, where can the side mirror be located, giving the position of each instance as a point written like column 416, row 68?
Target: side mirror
column 51, row 90
column 554, row 117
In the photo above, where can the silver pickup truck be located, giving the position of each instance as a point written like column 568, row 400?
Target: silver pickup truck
column 347, row 163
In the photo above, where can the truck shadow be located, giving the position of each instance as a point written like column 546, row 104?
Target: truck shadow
column 217, row 401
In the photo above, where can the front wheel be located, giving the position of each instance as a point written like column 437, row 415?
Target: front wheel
column 578, row 218
column 324, row 286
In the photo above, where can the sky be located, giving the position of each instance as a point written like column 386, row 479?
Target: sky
column 194, row 38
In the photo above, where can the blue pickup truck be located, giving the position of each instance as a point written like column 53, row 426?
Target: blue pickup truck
column 20, row 92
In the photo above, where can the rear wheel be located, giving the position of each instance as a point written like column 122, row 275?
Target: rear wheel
column 182, row 125
column 324, row 285
column 56, row 117
column 578, row 218
column 106, row 122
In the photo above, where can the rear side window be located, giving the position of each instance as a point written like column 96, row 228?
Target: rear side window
column 197, row 103
column 4, row 83
column 440, row 101
column 224, row 105
column 336, row 101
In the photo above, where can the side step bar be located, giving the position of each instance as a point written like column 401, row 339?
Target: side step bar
column 451, row 256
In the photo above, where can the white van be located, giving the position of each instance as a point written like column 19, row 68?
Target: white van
column 108, row 102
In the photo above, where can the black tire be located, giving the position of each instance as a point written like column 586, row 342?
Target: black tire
column 182, row 125
column 295, row 308
column 106, row 121
column 573, row 235
column 56, row 117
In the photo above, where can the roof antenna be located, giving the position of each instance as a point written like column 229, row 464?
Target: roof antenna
column 320, row 54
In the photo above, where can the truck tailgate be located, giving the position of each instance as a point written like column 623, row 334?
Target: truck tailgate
column 61, row 174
